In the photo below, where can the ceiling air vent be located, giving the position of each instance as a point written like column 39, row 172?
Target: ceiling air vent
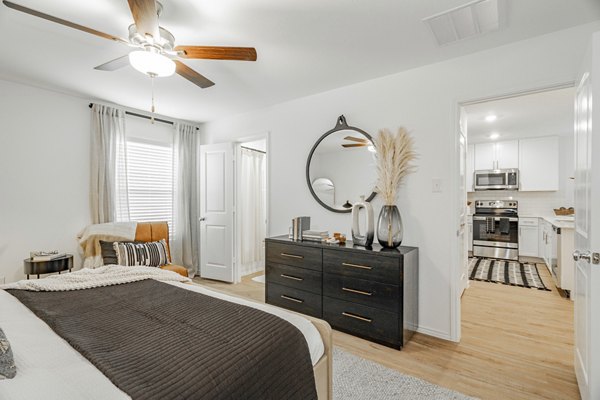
column 472, row 19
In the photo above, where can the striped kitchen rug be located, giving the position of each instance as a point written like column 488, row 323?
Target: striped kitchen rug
column 511, row 273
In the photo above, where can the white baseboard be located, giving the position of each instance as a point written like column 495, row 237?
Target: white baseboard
column 434, row 333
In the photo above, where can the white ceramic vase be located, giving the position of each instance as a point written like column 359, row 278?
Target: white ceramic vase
column 358, row 238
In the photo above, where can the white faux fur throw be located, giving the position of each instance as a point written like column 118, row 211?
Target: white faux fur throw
column 88, row 278
column 89, row 239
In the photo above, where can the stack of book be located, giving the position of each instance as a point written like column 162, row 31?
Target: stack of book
column 299, row 225
column 315, row 236
column 45, row 255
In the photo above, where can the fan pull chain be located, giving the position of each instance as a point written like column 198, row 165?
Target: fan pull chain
column 152, row 109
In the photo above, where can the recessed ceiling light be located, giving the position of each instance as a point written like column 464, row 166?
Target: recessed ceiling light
column 491, row 118
column 494, row 135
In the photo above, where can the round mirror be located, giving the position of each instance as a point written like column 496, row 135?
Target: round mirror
column 341, row 167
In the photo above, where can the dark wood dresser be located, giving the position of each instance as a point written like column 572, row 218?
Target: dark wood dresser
column 370, row 293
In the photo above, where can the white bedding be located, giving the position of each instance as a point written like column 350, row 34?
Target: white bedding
column 49, row 368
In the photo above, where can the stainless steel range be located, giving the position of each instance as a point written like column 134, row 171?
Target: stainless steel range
column 496, row 229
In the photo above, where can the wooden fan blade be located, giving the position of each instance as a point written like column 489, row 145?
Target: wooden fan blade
column 218, row 53
column 73, row 25
column 145, row 17
column 192, row 75
column 355, row 139
column 355, row 145
column 114, row 64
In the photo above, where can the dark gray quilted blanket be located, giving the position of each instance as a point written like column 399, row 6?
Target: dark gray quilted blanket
column 156, row 341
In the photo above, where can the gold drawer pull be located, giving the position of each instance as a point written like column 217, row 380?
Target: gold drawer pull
column 357, row 291
column 345, row 314
column 291, row 255
column 295, row 278
column 283, row 296
column 356, row 266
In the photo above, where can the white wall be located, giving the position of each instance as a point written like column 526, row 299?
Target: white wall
column 423, row 100
column 44, row 173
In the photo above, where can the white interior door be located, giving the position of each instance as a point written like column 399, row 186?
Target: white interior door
column 587, row 230
column 462, row 204
column 216, row 212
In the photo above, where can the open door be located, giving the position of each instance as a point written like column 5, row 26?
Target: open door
column 587, row 228
column 462, row 204
column 216, row 212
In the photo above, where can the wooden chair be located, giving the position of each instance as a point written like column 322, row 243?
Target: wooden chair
column 153, row 232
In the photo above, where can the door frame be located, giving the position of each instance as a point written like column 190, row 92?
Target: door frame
column 236, row 204
column 459, row 102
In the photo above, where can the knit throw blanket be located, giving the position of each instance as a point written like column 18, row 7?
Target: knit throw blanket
column 88, row 278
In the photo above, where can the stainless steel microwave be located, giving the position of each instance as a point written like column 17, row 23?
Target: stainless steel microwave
column 496, row 179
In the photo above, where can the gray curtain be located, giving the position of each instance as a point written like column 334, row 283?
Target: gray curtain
column 185, row 243
column 108, row 191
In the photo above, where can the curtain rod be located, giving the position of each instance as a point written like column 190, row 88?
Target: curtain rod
column 164, row 121
column 258, row 151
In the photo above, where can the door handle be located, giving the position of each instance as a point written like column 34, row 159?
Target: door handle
column 202, row 219
column 593, row 258
column 577, row 255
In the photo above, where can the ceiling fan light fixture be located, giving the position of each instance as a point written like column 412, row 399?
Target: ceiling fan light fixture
column 151, row 63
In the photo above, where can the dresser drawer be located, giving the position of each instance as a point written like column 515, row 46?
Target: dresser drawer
column 368, row 293
column 294, row 299
column 295, row 277
column 295, row 255
column 361, row 320
column 362, row 266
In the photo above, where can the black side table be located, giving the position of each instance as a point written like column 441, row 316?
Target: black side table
column 45, row 267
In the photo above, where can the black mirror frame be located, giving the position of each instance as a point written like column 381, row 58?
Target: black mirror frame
column 340, row 125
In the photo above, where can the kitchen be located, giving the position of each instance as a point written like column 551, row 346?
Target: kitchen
column 519, row 171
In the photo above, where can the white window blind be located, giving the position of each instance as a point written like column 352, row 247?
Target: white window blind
column 150, row 181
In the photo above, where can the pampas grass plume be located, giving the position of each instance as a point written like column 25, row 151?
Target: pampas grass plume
column 394, row 157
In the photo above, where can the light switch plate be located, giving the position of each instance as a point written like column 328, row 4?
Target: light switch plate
column 436, row 185
column 2, row 280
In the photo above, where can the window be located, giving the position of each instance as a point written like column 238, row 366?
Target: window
column 150, row 181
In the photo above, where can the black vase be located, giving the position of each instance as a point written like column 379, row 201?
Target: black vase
column 389, row 227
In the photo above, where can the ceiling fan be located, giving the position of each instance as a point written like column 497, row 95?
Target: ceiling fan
column 156, row 54
column 360, row 142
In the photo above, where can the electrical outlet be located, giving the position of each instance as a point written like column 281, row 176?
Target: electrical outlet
column 436, row 185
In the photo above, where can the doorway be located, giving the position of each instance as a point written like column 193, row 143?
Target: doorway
column 251, row 206
column 518, row 277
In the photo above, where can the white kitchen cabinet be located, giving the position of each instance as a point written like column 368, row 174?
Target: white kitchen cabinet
column 498, row 155
column 528, row 237
column 566, row 265
column 485, row 156
column 507, row 154
column 470, row 167
column 545, row 245
column 538, row 164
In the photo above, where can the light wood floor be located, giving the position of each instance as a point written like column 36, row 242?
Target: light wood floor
column 516, row 343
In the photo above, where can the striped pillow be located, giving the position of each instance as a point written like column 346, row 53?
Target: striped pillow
column 151, row 254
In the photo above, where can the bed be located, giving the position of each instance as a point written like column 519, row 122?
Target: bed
column 49, row 366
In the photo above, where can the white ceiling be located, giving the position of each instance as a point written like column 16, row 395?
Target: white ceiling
column 304, row 46
column 540, row 114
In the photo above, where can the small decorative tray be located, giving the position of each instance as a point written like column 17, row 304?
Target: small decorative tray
column 564, row 211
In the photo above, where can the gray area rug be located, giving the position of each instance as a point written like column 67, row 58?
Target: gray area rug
column 355, row 378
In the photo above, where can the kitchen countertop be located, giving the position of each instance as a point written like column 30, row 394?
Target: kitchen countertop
column 560, row 223
column 553, row 220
